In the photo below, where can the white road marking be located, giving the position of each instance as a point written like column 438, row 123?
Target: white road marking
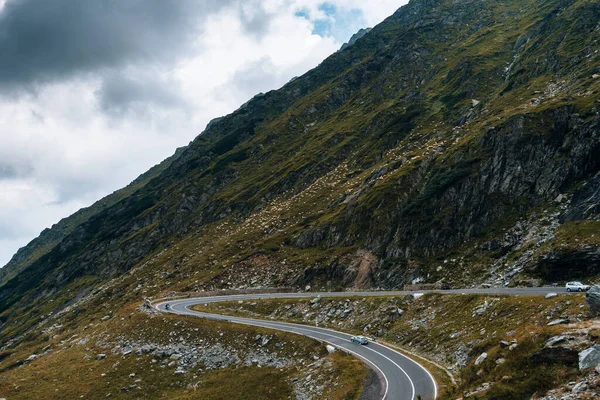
column 305, row 328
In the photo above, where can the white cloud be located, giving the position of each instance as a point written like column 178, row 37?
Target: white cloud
column 72, row 140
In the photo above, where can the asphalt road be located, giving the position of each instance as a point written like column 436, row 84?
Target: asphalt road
column 404, row 378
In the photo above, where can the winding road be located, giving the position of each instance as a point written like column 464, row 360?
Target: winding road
column 404, row 378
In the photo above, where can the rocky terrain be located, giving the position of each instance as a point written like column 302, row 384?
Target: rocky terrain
column 489, row 347
column 137, row 353
column 456, row 143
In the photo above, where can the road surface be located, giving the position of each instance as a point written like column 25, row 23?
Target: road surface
column 404, row 378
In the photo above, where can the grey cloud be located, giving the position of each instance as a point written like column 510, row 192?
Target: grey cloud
column 7, row 172
column 122, row 93
column 43, row 41
column 254, row 18
column 259, row 76
column 10, row 230
column 15, row 168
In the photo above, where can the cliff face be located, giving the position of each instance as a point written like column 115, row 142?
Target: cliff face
column 457, row 141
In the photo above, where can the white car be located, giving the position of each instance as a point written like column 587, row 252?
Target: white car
column 576, row 287
column 359, row 339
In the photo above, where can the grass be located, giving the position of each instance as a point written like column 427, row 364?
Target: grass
column 65, row 373
column 341, row 155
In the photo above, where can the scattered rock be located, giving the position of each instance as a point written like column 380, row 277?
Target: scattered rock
column 475, row 102
column 558, row 322
column 590, row 357
column 482, row 309
column 175, row 357
column 504, row 344
column 100, row 356
column 481, row 358
column 580, row 387
column 555, row 340
column 500, row 361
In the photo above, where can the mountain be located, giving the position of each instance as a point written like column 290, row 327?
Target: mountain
column 361, row 32
column 455, row 143
column 50, row 237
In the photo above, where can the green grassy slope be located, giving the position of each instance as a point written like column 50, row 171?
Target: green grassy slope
column 434, row 148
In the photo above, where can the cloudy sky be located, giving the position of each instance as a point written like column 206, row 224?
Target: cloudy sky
column 93, row 93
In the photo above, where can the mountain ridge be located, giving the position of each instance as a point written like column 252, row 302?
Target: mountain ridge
column 432, row 149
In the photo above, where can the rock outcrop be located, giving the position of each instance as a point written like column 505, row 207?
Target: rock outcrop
column 553, row 355
column 592, row 297
column 589, row 358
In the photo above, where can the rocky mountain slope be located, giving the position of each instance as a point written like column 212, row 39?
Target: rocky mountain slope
column 456, row 142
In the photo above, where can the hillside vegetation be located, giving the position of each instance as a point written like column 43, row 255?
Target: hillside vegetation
column 457, row 142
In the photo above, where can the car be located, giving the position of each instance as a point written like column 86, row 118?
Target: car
column 576, row 287
column 359, row 339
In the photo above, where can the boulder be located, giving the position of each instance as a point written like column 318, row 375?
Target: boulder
column 100, row 356
column 551, row 295
column 330, row 349
column 580, row 387
column 558, row 322
column 590, row 357
column 554, row 355
column 553, row 341
column 592, row 298
column 481, row 358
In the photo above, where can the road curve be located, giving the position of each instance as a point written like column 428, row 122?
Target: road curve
column 404, row 378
